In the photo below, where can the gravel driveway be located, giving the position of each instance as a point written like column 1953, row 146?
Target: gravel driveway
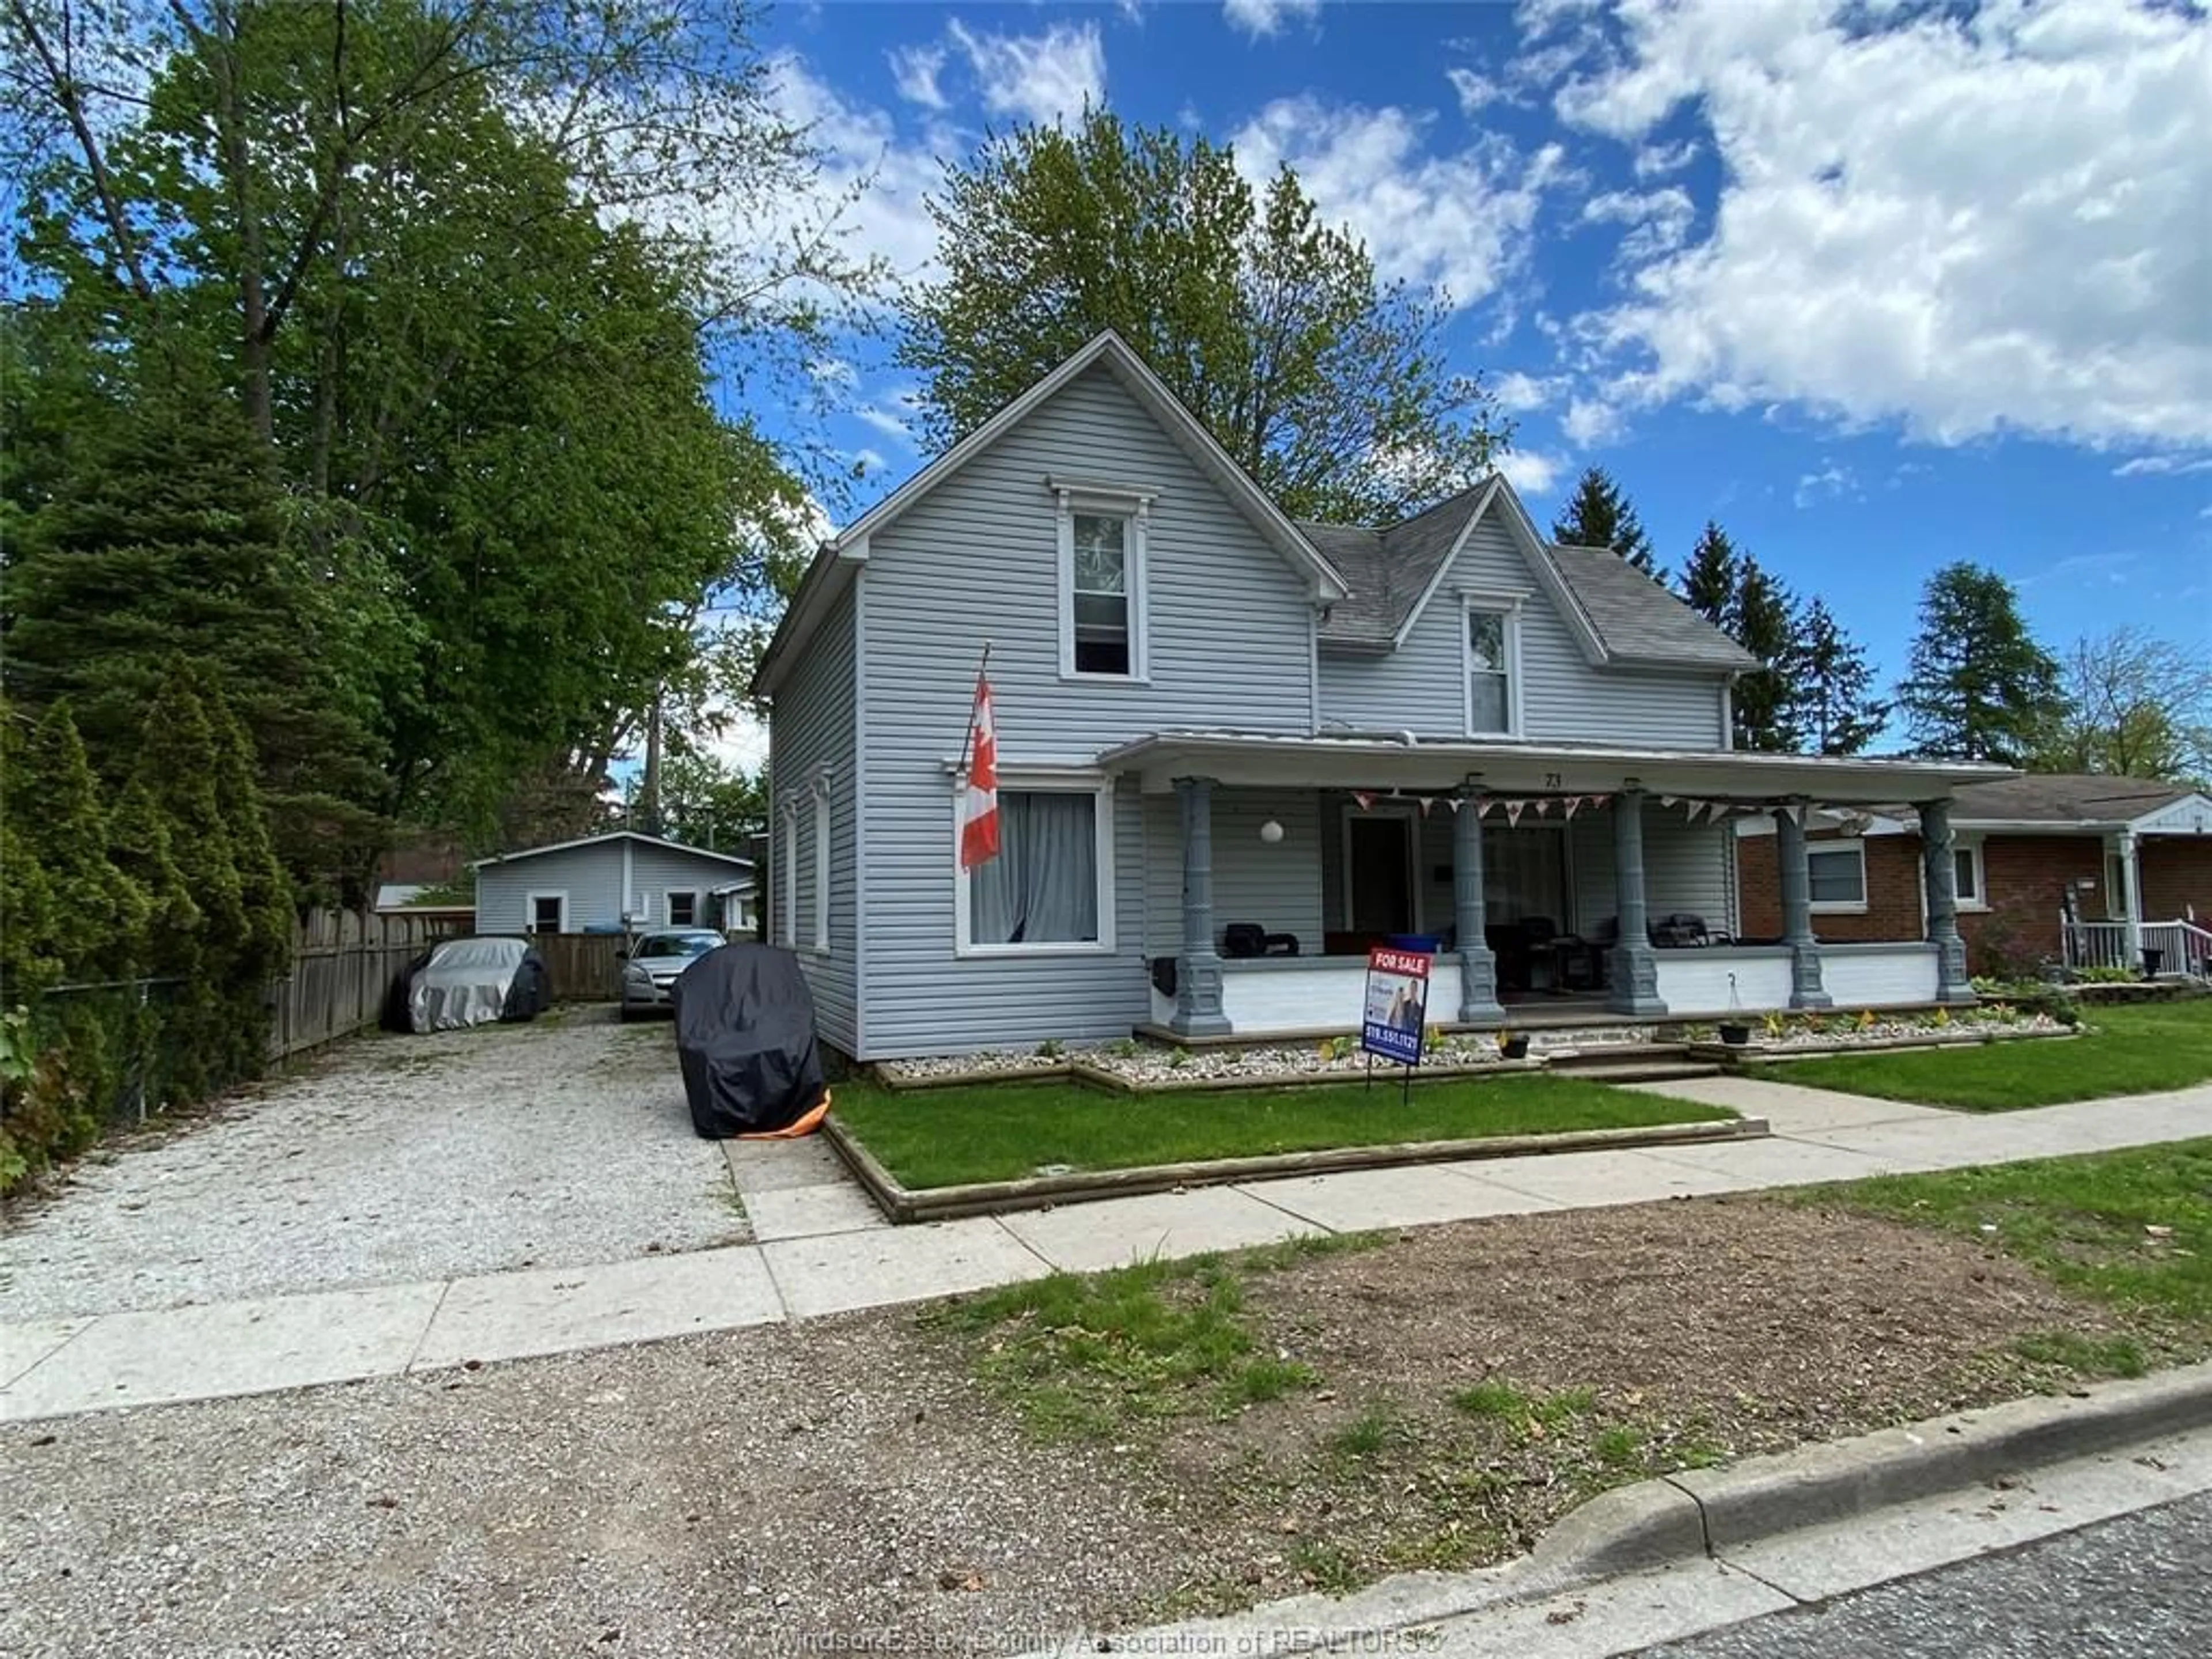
column 388, row 1159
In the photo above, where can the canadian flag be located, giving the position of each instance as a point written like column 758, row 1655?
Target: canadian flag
column 979, row 811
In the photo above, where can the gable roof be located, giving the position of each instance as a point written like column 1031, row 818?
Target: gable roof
column 1636, row 619
column 833, row 564
column 1392, row 572
column 2065, row 798
column 638, row 835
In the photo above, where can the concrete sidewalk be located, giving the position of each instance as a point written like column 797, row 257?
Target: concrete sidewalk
column 822, row 1248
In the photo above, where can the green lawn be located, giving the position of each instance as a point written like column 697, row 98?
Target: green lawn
column 2121, row 1051
column 1006, row 1131
column 2133, row 1229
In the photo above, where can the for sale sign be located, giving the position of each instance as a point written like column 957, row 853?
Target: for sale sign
column 1397, row 1004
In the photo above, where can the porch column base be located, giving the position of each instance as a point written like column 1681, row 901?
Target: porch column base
column 1198, row 1011
column 1633, row 977
column 1478, row 988
column 1806, row 990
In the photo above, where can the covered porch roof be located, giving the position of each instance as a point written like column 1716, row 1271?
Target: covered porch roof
column 1271, row 760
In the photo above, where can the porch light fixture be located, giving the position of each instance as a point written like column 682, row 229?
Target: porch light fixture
column 1270, row 832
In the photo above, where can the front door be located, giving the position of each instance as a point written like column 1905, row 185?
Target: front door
column 1380, row 848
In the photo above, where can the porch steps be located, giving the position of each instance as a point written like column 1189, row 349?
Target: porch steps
column 1633, row 1062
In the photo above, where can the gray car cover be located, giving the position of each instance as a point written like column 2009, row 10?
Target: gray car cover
column 744, row 1038
column 474, row 981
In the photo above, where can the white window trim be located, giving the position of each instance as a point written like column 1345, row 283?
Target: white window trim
column 820, row 943
column 1508, row 606
column 1062, row 781
column 1385, row 809
column 1134, row 507
column 668, row 906
column 530, row 907
column 1981, row 899
column 785, row 871
column 1839, row 907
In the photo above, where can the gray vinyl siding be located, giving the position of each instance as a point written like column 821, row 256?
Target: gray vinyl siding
column 1685, row 868
column 1418, row 688
column 1229, row 644
column 810, row 738
column 592, row 879
column 1276, row 885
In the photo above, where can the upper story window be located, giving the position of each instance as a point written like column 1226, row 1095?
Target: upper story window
column 1102, row 583
column 1493, row 655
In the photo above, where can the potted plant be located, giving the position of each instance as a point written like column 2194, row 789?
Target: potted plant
column 1512, row 1044
column 1735, row 1030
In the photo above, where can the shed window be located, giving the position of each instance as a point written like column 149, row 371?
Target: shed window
column 682, row 909
column 549, row 913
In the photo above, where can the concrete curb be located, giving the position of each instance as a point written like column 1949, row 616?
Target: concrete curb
column 1688, row 1517
column 907, row 1205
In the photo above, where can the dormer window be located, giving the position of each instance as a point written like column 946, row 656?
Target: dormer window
column 1101, row 582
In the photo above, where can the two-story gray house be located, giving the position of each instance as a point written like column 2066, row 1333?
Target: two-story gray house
column 1225, row 736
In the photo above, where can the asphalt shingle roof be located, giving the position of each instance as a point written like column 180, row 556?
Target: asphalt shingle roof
column 2063, row 798
column 1634, row 617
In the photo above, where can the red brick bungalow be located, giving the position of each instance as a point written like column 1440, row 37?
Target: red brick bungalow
column 2130, row 862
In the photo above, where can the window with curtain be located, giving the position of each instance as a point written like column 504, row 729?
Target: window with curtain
column 1043, row 888
column 1489, row 699
column 1101, row 594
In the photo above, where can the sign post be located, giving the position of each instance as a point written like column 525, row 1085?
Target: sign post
column 1395, row 1018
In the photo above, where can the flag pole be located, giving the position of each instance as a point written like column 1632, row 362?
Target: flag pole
column 968, row 742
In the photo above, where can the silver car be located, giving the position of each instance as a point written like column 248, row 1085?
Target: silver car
column 651, row 966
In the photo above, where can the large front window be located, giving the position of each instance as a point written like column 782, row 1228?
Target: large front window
column 1837, row 871
column 1489, row 673
column 1045, row 888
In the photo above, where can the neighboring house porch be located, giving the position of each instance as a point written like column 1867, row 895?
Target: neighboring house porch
column 1543, row 878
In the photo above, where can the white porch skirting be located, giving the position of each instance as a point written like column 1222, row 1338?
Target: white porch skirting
column 1879, row 975
column 1278, row 995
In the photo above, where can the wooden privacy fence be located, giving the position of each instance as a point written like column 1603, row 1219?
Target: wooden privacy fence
column 344, row 963
column 583, row 967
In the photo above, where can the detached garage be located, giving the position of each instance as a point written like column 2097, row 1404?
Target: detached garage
column 619, row 882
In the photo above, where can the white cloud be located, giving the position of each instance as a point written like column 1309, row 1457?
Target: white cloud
column 1590, row 422
column 884, row 421
column 861, row 146
column 1459, row 221
column 1259, row 17
column 1529, row 471
column 1516, row 393
column 869, row 461
column 1046, row 78
column 2161, row 465
column 915, row 69
column 1476, row 91
column 1654, row 160
column 1829, row 483
column 1965, row 224
column 1658, row 221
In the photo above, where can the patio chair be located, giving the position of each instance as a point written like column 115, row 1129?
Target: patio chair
column 1242, row 940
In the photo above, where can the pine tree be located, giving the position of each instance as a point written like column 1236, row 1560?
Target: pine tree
column 1599, row 515
column 140, row 845
column 1709, row 576
column 1832, row 686
column 1981, row 687
column 103, row 910
column 1762, row 619
column 30, row 942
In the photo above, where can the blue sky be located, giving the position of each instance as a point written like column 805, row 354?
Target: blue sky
column 1878, row 289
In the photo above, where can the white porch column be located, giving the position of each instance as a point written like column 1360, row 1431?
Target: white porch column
column 1806, row 990
column 1635, row 977
column 1198, row 1010
column 2130, row 850
column 1478, row 967
column 1940, row 874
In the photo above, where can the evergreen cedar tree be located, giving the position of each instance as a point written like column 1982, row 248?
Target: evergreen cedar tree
column 1598, row 514
column 1269, row 325
column 1979, row 686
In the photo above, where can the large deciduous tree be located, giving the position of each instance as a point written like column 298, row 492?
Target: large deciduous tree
column 2136, row 706
column 1327, row 384
column 1600, row 514
column 1979, row 686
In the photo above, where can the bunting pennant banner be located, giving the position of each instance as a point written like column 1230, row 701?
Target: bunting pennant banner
column 1796, row 810
column 1541, row 806
column 1574, row 803
column 1700, row 808
column 1513, row 812
column 1669, row 801
column 1454, row 802
column 1482, row 808
column 1425, row 802
column 1365, row 797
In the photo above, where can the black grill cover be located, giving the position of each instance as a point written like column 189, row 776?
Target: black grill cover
column 745, row 1037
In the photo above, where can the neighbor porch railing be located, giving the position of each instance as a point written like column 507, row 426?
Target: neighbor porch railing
column 2180, row 947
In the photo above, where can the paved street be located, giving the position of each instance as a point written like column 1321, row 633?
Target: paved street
column 2139, row 1586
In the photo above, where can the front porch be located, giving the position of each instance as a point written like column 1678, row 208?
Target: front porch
column 1593, row 885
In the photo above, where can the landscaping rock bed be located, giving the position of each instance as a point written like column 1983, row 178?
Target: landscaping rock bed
column 1845, row 1033
column 1147, row 1066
